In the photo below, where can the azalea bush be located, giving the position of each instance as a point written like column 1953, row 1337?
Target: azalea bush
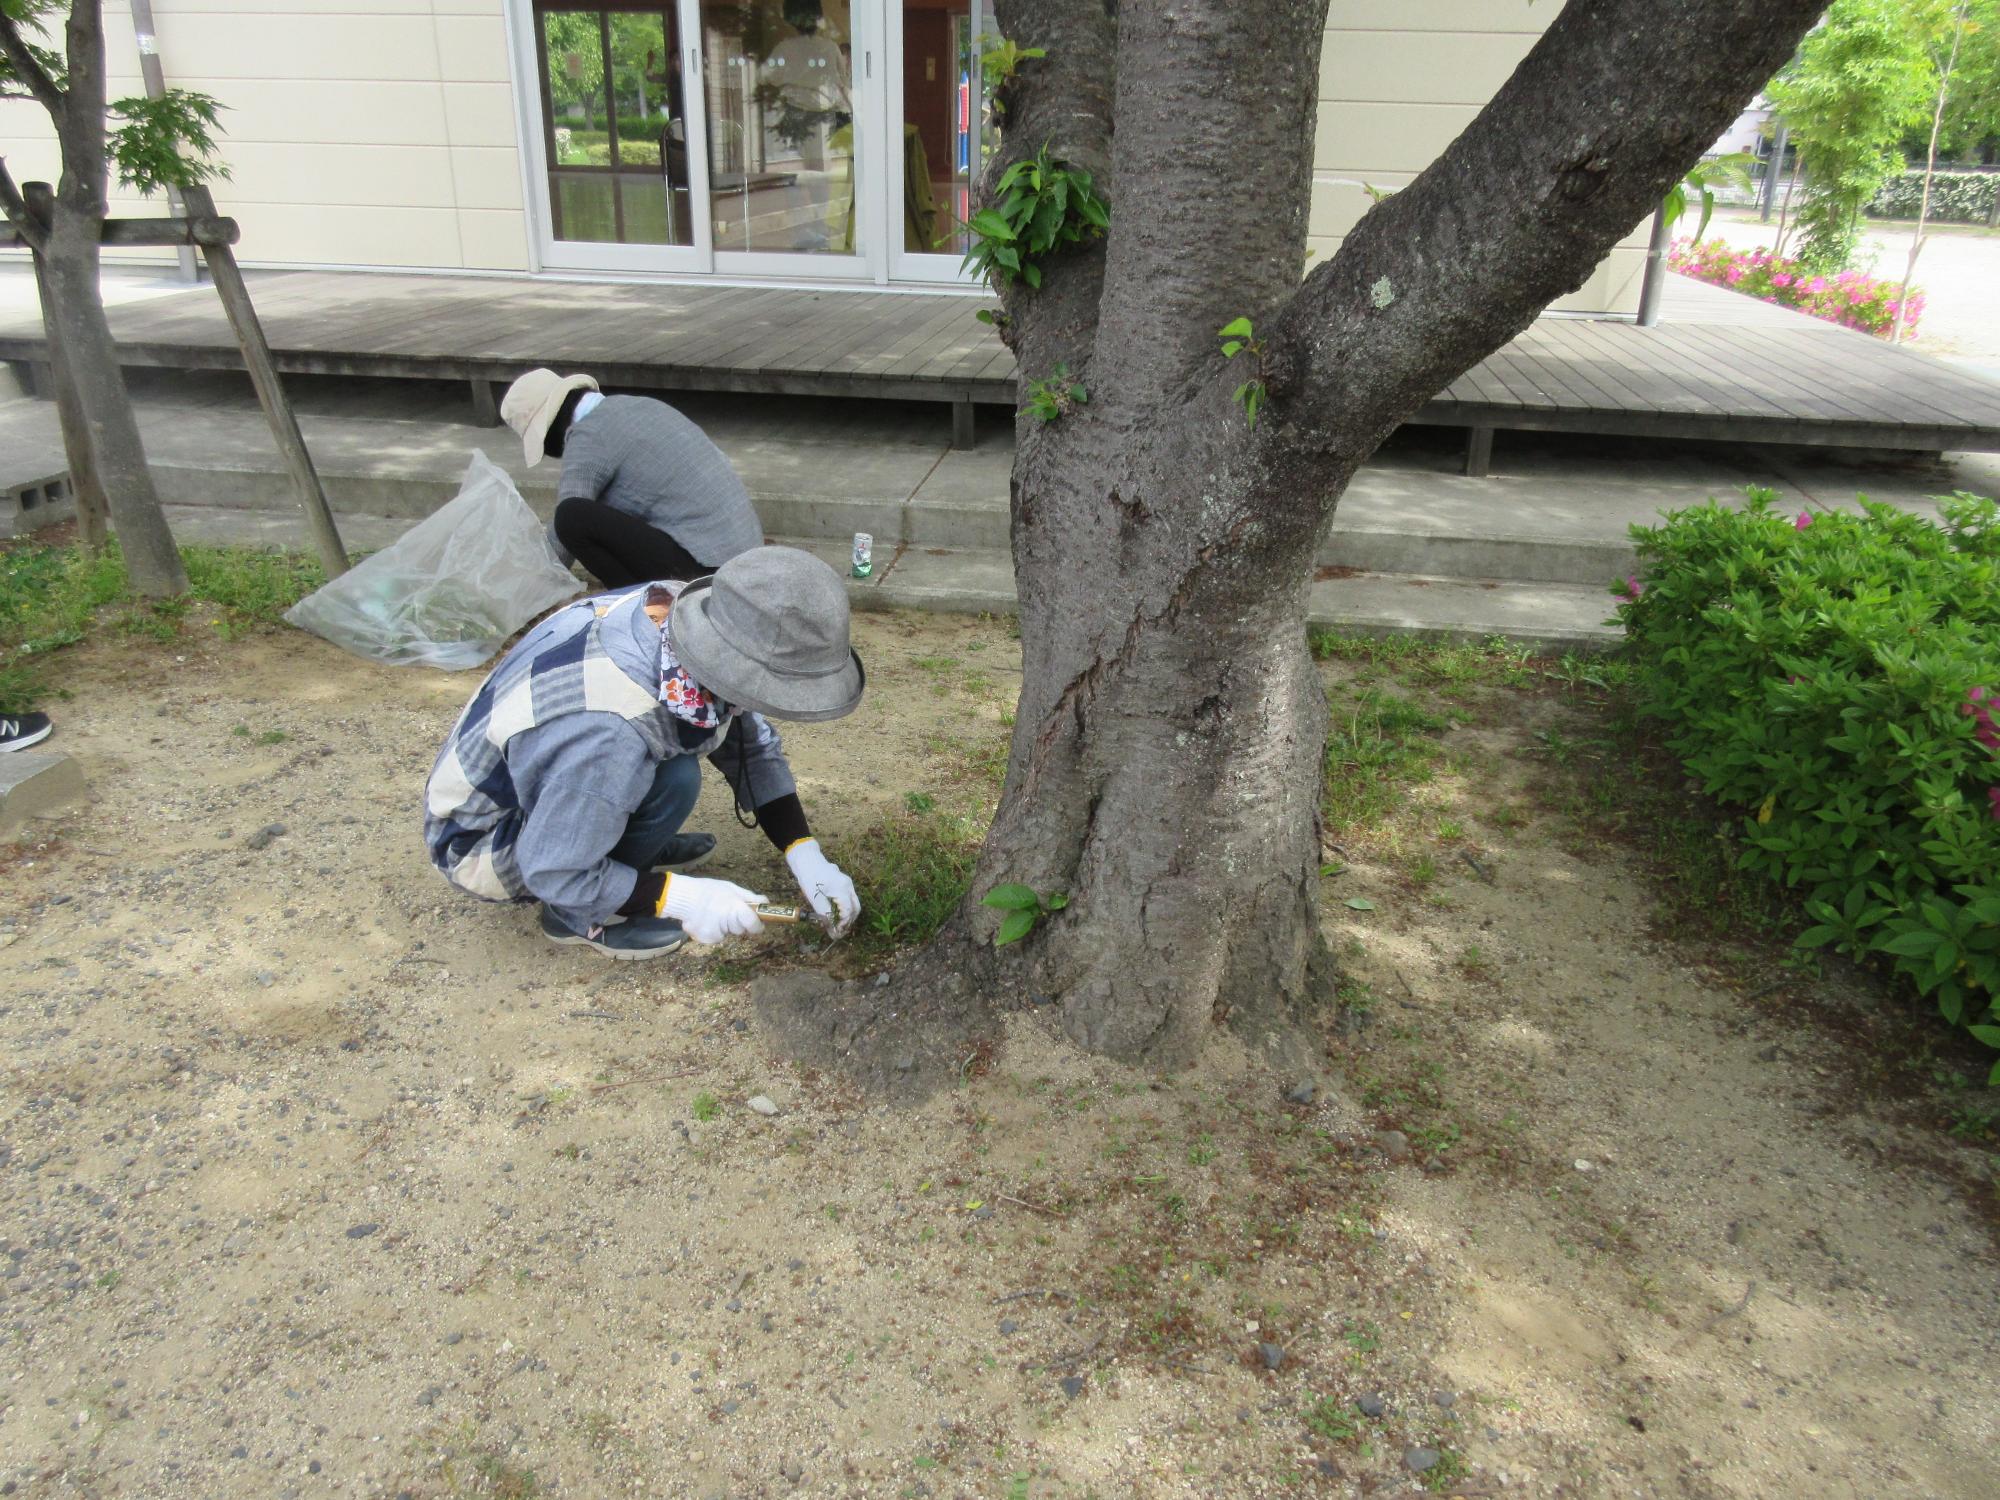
column 1852, row 299
column 1835, row 679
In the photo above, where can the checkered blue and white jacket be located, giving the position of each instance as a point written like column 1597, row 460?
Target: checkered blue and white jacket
column 472, row 813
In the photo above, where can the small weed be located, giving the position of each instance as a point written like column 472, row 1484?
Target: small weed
column 1447, row 1471
column 1202, row 1150
column 1329, row 1418
column 1423, row 870
column 1449, row 830
column 912, row 870
column 571, row 1152
column 705, row 1107
column 919, row 802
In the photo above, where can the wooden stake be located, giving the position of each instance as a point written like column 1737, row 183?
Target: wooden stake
column 235, row 294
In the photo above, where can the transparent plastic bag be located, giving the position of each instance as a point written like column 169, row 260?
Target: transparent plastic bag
column 452, row 589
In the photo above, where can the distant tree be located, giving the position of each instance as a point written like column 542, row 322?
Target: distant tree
column 1944, row 45
column 1971, row 125
column 158, row 143
column 1856, row 85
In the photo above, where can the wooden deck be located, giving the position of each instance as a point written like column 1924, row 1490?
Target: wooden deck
column 1718, row 367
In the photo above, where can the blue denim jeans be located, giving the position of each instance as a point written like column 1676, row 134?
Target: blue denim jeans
column 676, row 785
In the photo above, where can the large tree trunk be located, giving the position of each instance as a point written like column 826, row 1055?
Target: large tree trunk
column 1165, row 767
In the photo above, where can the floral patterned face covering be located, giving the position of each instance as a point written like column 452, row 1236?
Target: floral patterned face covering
column 685, row 698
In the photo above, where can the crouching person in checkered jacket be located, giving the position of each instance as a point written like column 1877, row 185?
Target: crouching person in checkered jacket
column 568, row 776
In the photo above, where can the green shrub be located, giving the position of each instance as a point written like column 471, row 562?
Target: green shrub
column 1956, row 197
column 1831, row 676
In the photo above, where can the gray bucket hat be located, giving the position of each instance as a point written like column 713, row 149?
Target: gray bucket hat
column 768, row 631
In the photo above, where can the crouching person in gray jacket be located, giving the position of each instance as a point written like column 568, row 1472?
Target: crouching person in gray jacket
column 569, row 774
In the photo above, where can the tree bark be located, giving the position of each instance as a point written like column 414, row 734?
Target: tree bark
column 71, row 259
column 116, row 454
column 1166, row 761
column 87, row 491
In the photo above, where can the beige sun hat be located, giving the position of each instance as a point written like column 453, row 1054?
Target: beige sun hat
column 531, row 404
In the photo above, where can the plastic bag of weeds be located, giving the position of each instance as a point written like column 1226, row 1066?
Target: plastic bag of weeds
column 452, row 589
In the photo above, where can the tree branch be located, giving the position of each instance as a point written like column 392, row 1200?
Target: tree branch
column 80, row 129
column 1214, row 118
column 16, row 208
column 28, row 70
column 1063, row 101
column 1614, row 105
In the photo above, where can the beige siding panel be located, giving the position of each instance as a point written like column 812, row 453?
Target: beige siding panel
column 319, row 112
column 468, row 8
column 181, row 9
column 248, row 45
column 1613, row 287
column 335, row 176
column 472, row 49
column 320, row 235
column 494, row 241
column 1443, row 15
column 1401, row 67
column 487, row 176
column 1367, row 140
column 480, row 114
column 1339, row 202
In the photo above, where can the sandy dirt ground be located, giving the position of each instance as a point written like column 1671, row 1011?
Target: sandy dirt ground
column 317, row 1179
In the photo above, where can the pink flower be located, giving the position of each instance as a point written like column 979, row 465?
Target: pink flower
column 1817, row 284
column 1734, row 275
column 1779, row 278
column 1633, row 588
column 1993, row 796
column 1804, row 520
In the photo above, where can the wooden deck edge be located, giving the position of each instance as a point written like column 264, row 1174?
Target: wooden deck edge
column 1002, row 391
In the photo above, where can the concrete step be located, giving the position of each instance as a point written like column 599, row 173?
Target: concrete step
column 1551, row 617
column 811, row 479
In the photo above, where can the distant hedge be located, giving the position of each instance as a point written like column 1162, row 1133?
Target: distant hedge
column 1956, row 197
column 1835, row 679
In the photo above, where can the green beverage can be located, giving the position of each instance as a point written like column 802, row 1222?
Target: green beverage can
column 864, row 554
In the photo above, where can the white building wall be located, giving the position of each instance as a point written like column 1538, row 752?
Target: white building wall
column 358, row 132
column 387, row 132
column 1397, row 85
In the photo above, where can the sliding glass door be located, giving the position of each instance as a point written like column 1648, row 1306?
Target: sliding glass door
column 821, row 139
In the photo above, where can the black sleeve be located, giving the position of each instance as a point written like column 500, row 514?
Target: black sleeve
column 645, row 898
column 783, row 821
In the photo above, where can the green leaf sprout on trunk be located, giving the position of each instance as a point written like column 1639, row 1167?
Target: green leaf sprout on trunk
column 1240, row 337
column 1024, row 908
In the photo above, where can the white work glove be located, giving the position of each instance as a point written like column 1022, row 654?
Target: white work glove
column 711, row 910
column 825, row 885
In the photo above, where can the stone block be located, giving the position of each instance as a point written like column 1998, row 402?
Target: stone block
column 36, row 782
column 32, row 504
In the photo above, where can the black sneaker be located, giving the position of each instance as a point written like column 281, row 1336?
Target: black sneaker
column 637, row 937
column 18, row 731
column 684, row 851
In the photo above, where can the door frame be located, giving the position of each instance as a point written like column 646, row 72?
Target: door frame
column 913, row 266
column 533, row 108
column 877, row 90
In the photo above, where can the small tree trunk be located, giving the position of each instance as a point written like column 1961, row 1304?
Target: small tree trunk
column 1930, row 170
column 85, row 487
column 77, row 321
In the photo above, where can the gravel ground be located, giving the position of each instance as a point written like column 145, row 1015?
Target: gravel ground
column 317, row 1179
